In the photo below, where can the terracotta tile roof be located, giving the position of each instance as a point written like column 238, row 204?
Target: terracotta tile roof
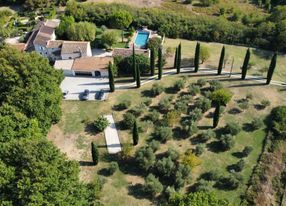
column 19, row 46
column 91, row 63
column 55, row 44
column 64, row 64
column 70, row 47
column 46, row 30
column 126, row 52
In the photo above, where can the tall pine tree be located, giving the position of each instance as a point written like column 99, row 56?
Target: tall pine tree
column 138, row 78
column 176, row 58
column 197, row 57
column 179, row 58
column 160, row 63
column 221, row 60
column 134, row 63
column 152, row 62
column 94, row 153
column 245, row 64
column 135, row 133
column 271, row 68
column 111, row 77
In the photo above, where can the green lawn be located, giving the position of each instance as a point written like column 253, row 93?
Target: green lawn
column 117, row 189
column 260, row 58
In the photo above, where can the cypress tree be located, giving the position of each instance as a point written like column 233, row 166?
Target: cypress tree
column 271, row 68
column 134, row 63
column 197, row 57
column 138, row 79
column 176, row 58
column 245, row 64
column 135, row 134
column 152, row 62
column 160, row 63
column 220, row 65
column 111, row 77
column 179, row 58
column 216, row 115
column 94, row 153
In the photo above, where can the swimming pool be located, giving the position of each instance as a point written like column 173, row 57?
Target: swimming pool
column 141, row 39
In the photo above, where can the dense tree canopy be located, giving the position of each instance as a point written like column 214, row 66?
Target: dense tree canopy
column 31, row 85
column 35, row 4
column 260, row 33
column 39, row 175
column 81, row 31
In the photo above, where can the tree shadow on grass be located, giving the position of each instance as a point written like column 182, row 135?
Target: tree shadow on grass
column 147, row 93
column 179, row 134
column 234, row 111
column 214, row 146
column 104, row 172
column 259, row 107
column 262, row 53
column 171, row 90
column 247, row 127
column 137, row 191
column 237, row 154
column 86, row 163
column 89, row 129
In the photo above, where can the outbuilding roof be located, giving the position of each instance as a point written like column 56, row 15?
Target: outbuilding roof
column 70, row 47
column 126, row 52
column 91, row 63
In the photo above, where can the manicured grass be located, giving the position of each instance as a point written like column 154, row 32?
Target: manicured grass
column 119, row 188
column 260, row 58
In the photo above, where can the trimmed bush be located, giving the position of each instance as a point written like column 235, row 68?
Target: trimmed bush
column 125, row 104
column 128, row 120
column 173, row 154
column 100, row 124
column 256, row 124
column 154, row 116
column 155, row 145
column 179, row 84
column 196, row 114
column 194, row 89
column 201, row 82
column 152, row 185
column 212, row 175
column 215, row 85
column 232, row 128
column 181, row 106
column 265, row 103
column 164, row 104
column 145, row 158
column 226, row 142
column 163, row 133
column 203, row 103
column 206, row 135
column 156, row 89
column 199, row 150
column 204, row 186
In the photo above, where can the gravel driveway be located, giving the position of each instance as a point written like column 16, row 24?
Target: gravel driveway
column 76, row 85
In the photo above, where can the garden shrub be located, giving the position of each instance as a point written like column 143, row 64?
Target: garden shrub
column 128, row 120
column 226, row 142
column 154, row 116
column 199, row 150
column 194, row 89
column 204, row 186
column 163, row 133
column 228, row 183
column 232, row 128
column 239, row 165
column 201, row 82
column 182, row 175
column 152, row 185
column 203, row 103
column 172, row 117
column 123, row 105
column 125, row 64
column 204, row 136
column 138, row 109
column 155, row 145
column 165, row 167
column 173, row 154
column 100, row 124
column 164, row 104
column 147, row 101
column 196, row 114
column 246, row 151
column 181, row 106
column 113, row 168
column 145, row 158
column 179, row 84
column 191, row 160
column 215, row 85
column 156, row 89
column 265, row 103
column 256, row 123
column 212, row 175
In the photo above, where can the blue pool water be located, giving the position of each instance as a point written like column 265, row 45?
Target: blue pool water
column 141, row 39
